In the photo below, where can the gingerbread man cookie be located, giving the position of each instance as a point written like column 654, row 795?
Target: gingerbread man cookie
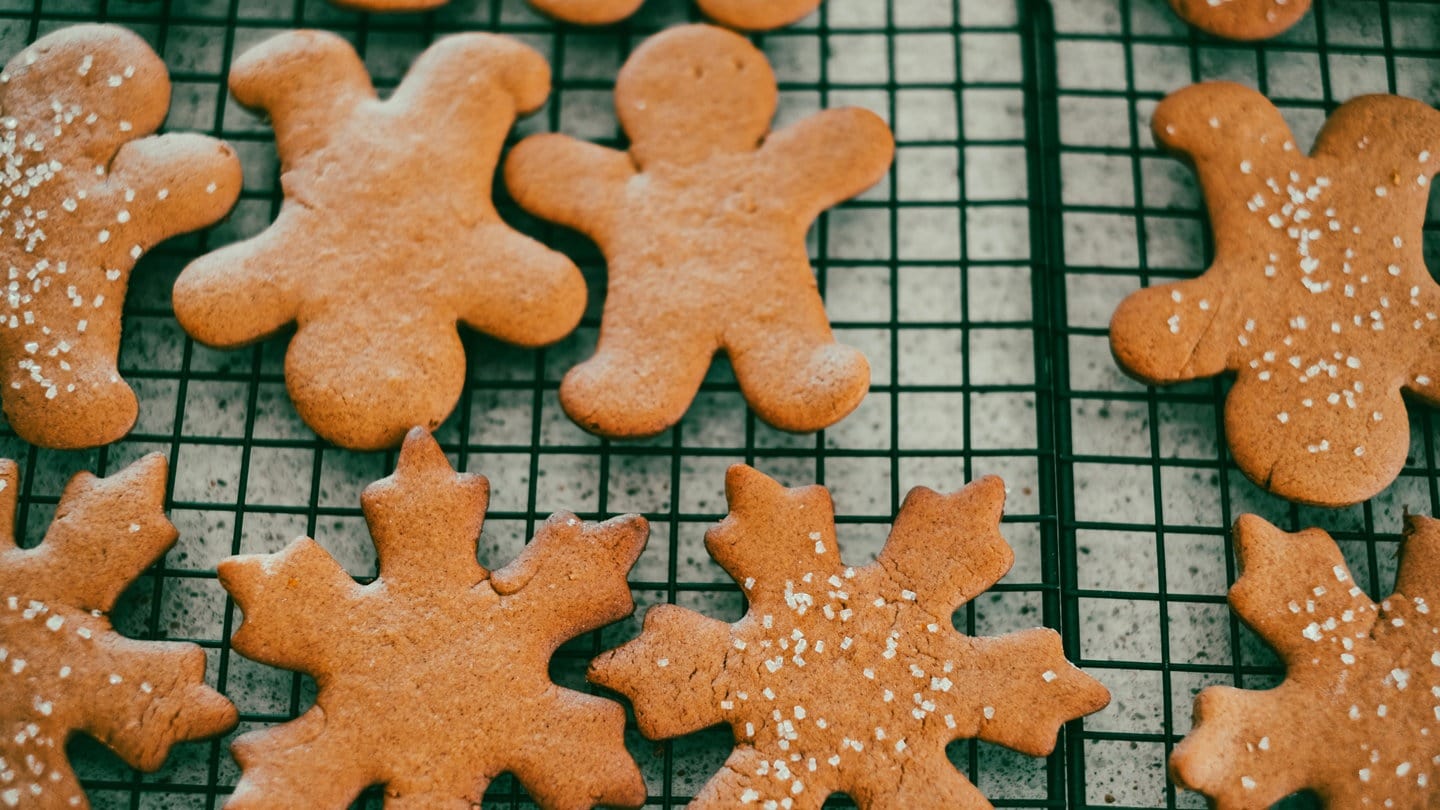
column 1318, row 298
column 388, row 235
column 703, row 224
column 1357, row 718
column 434, row 678
column 63, row 668
column 87, row 190
column 849, row 679
column 742, row 15
column 1242, row 20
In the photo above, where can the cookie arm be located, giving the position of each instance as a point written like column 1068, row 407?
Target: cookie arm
column 518, row 290
column 306, row 82
column 1173, row 332
column 452, row 80
column 671, row 672
column 572, row 577
column 189, row 181
column 243, row 292
column 285, row 597
column 573, row 183
column 948, row 548
column 828, row 158
column 1216, row 125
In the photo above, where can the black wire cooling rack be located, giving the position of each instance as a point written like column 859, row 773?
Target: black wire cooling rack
column 1027, row 198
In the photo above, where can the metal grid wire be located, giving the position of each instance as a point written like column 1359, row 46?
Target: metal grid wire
column 1025, row 201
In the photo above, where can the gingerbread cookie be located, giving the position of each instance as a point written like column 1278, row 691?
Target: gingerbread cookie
column 63, row 668
column 742, row 15
column 1318, row 298
column 849, row 679
column 433, row 679
column 87, row 191
column 387, row 236
column 1355, row 719
column 703, row 224
column 1242, row 20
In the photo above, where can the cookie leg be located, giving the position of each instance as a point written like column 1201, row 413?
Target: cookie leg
column 577, row 758
column 1321, row 444
column 792, row 372
column 364, row 388
column 519, row 290
column 738, row 783
column 100, row 409
column 295, row 766
column 641, row 379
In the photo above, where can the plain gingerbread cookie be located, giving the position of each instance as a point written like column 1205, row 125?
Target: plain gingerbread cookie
column 388, row 236
column 703, row 225
column 1318, row 298
column 434, row 678
column 742, row 15
column 89, row 190
column 1242, row 20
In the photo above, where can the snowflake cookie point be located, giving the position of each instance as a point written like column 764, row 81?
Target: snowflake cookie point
column 1360, row 676
column 437, row 651
column 856, row 670
column 1318, row 299
column 66, row 669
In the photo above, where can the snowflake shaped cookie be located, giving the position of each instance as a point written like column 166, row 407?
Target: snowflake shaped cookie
column 63, row 668
column 388, row 237
column 1318, row 298
column 433, row 679
column 86, row 191
column 849, row 679
column 1362, row 677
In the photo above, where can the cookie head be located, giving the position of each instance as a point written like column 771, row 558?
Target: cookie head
column 693, row 91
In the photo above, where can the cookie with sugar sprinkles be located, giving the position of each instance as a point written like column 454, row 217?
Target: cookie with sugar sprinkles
column 742, row 15
column 434, row 678
column 1318, row 298
column 1357, row 718
column 388, row 237
column 849, row 679
column 702, row 223
column 63, row 667
column 1242, row 20
column 87, row 190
